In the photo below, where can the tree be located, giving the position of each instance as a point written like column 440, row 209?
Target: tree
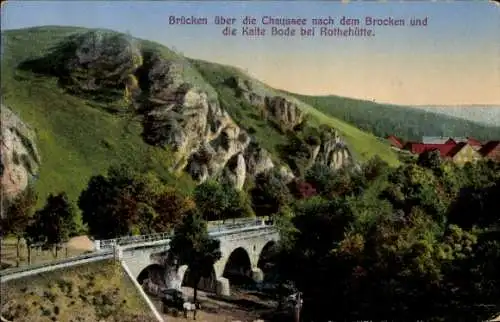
column 422, row 252
column 476, row 207
column 221, row 201
column 125, row 202
column 171, row 206
column 211, row 200
column 18, row 216
column 33, row 236
column 322, row 178
column 411, row 186
column 55, row 222
column 270, row 193
column 374, row 168
column 192, row 246
column 301, row 189
column 430, row 159
column 107, row 204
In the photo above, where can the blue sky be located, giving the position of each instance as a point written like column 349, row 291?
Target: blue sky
column 454, row 60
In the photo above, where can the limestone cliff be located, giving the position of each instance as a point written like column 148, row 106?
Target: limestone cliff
column 332, row 151
column 178, row 109
column 286, row 114
column 177, row 112
column 20, row 160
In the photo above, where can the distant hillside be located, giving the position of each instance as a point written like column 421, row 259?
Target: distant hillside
column 97, row 97
column 405, row 122
column 487, row 115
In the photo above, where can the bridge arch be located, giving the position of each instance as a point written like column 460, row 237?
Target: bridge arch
column 266, row 259
column 154, row 272
column 238, row 266
column 208, row 284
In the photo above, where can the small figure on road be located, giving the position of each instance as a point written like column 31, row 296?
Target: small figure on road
column 188, row 306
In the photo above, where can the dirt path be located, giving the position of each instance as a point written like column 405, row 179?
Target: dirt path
column 8, row 255
column 241, row 306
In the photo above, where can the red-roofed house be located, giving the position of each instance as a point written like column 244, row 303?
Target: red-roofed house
column 395, row 142
column 459, row 153
column 491, row 150
column 463, row 153
column 418, row 148
column 476, row 144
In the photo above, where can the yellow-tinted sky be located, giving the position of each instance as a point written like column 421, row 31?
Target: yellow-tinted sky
column 417, row 80
column 455, row 59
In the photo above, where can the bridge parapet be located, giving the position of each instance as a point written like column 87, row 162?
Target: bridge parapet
column 127, row 240
column 214, row 230
column 246, row 234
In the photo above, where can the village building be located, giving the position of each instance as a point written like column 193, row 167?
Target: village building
column 491, row 150
column 459, row 150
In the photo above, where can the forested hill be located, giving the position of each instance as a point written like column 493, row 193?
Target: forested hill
column 405, row 122
column 482, row 114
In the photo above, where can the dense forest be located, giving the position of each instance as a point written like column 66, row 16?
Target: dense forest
column 421, row 241
column 407, row 123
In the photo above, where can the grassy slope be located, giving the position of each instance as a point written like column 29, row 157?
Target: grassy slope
column 408, row 123
column 75, row 139
column 363, row 144
column 81, row 291
column 78, row 139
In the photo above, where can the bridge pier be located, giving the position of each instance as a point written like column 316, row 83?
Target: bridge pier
column 118, row 252
column 223, row 287
column 257, row 275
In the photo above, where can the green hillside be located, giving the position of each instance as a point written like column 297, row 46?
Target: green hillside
column 79, row 137
column 405, row 122
column 76, row 140
column 363, row 144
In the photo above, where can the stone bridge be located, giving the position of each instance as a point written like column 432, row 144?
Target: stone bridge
column 244, row 251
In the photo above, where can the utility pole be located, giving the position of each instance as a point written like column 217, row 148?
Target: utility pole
column 298, row 307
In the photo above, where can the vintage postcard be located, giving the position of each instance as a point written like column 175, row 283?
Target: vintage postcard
column 250, row 161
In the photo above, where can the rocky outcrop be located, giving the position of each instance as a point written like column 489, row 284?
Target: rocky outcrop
column 286, row 114
column 250, row 163
column 213, row 156
column 332, row 151
column 20, row 159
column 257, row 159
column 183, row 115
column 235, row 173
column 207, row 143
column 286, row 174
column 97, row 63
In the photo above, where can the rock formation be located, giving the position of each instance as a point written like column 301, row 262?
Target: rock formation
column 97, row 60
column 332, row 151
column 20, row 159
column 283, row 112
column 177, row 114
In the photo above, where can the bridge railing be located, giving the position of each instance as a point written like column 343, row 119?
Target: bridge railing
column 243, row 232
column 106, row 246
column 229, row 225
column 127, row 240
column 17, row 270
column 212, row 228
